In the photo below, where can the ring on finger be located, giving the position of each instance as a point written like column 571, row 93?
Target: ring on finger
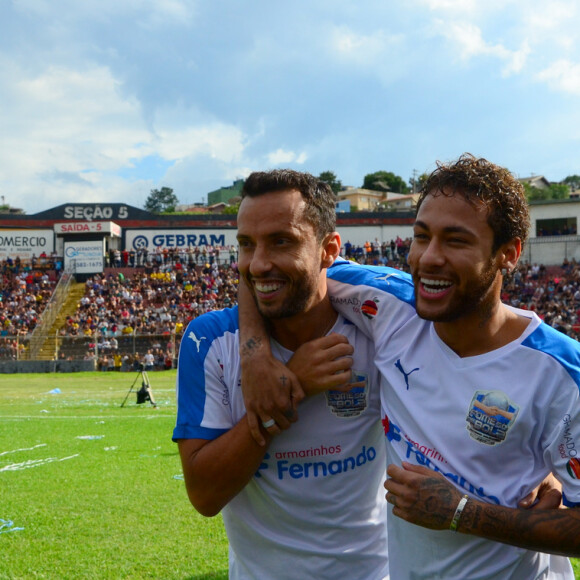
column 269, row 423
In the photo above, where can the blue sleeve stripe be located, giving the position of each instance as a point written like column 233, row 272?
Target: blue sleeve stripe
column 187, row 432
column 383, row 278
column 569, row 504
column 191, row 388
column 560, row 347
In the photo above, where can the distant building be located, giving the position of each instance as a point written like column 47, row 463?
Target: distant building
column 371, row 200
column 399, row 202
column 361, row 199
column 537, row 181
column 6, row 209
column 192, row 208
column 225, row 194
column 217, row 207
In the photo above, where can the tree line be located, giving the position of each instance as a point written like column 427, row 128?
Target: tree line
column 164, row 200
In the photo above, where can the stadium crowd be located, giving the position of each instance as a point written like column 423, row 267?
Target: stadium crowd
column 135, row 319
column 25, row 290
column 155, row 304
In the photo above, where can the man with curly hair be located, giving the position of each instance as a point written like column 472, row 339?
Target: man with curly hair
column 479, row 400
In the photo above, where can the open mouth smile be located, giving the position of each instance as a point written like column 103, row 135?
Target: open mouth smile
column 267, row 286
column 433, row 287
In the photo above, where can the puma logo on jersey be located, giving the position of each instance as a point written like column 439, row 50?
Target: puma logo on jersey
column 385, row 277
column 405, row 374
column 195, row 339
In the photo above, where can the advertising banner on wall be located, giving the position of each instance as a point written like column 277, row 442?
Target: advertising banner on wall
column 80, row 228
column 84, row 257
column 150, row 240
column 25, row 243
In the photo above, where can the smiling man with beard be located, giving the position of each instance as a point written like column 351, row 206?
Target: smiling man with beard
column 309, row 503
column 480, row 401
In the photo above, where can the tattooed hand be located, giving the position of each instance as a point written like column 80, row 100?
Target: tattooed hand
column 271, row 391
column 421, row 496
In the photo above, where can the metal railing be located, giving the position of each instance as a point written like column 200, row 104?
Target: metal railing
column 13, row 347
column 130, row 347
column 49, row 315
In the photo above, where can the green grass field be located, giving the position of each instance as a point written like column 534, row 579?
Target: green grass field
column 92, row 490
column 97, row 489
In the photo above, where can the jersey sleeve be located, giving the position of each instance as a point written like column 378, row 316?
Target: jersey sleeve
column 564, row 450
column 377, row 299
column 203, row 410
column 562, row 443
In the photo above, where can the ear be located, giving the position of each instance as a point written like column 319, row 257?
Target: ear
column 330, row 249
column 509, row 254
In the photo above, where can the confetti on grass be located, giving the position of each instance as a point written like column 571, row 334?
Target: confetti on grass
column 34, row 463
column 23, row 449
column 8, row 526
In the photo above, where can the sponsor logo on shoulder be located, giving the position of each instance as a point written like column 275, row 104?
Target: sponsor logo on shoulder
column 491, row 415
column 573, row 467
column 370, row 308
column 348, row 301
column 567, row 447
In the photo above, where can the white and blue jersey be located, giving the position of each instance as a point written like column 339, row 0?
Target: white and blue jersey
column 315, row 508
column 495, row 424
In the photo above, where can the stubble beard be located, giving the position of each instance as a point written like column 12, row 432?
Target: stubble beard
column 476, row 298
column 293, row 305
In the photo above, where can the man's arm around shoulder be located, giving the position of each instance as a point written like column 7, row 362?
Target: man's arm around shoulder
column 216, row 470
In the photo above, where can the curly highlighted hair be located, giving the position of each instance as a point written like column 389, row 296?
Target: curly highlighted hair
column 480, row 182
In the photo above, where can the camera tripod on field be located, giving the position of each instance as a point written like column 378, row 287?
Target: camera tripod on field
column 145, row 393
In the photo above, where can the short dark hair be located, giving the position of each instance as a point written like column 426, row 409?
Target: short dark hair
column 320, row 211
column 482, row 182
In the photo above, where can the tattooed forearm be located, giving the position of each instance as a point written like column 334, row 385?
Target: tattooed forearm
column 250, row 347
column 556, row 531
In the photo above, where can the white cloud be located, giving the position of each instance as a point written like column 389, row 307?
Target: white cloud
column 155, row 13
column 551, row 15
column 562, row 75
column 65, row 120
column 66, row 133
column 470, row 43
column 451, row 5
column 146, row 12
column 218, row 141
column 366, row 50
column 281, row 156
column 105, row 100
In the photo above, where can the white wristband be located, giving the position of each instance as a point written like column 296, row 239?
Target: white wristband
column 458, row 512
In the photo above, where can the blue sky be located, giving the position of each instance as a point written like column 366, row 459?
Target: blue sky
column 104, row 100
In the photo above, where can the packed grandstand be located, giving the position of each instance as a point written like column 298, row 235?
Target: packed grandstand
column 132, row 316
